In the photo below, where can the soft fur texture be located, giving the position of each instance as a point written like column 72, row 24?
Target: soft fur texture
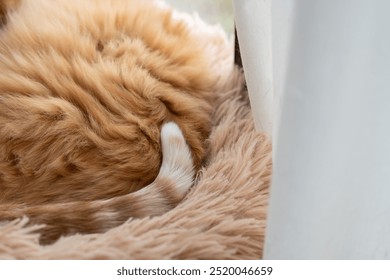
column 85, row 87
column 167, row 190
column 222, row 217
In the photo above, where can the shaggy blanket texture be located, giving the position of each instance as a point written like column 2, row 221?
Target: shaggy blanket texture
column 222, row 217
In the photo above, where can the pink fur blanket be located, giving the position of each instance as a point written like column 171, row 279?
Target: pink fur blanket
column 222, row 217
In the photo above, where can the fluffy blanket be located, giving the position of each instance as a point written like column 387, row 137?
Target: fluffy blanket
column 222, row 217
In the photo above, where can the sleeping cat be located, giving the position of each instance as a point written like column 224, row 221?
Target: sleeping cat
column 105, row 108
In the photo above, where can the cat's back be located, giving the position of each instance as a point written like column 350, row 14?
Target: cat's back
column 84, row 89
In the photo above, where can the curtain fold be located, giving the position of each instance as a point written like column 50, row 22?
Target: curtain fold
column 325, row 66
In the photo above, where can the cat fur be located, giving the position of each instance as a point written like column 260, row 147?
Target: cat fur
column 87, row 90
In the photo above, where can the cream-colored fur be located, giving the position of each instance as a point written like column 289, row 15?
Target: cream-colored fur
column 85, row 88
column 222, row 217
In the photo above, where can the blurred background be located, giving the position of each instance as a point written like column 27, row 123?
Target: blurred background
column 213, row 12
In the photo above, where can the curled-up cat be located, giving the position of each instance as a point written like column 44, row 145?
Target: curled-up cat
column 98, row 99
column 171, row 184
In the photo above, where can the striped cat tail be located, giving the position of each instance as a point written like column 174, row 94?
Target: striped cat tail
column 175, row 178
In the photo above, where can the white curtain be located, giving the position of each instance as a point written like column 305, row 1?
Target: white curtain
column 330, row 65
